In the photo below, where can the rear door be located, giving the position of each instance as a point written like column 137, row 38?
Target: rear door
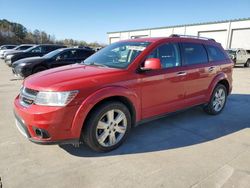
column 162, row 90
column 198, row 72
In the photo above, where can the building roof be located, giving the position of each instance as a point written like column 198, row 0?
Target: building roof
column 184, row 25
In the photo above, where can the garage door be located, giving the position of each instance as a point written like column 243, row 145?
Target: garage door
column 219, row 36
column 114, row 39
column 240, row 38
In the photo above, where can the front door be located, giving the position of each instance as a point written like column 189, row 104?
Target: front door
column 162, row 91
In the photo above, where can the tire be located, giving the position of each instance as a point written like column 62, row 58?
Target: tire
column 39, row 69
column 101, row 133
column 217, row 101
column 234, row 61
column 247, row 64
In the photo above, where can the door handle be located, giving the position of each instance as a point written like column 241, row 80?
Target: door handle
column 210, row 69
column 182, row 73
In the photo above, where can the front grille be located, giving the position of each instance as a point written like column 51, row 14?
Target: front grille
column 27, row 96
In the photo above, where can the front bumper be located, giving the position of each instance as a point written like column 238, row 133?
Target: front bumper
column 8, row 62
column 56, row 122
column 21, row 72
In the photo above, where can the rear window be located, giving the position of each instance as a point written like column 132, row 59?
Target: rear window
column 215, row 54
column 194, row 53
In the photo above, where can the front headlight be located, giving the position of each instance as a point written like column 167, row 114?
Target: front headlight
column 9, row 56
column 50, row 98
column 23, row 64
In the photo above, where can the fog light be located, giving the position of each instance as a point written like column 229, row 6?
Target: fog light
column 41, row 133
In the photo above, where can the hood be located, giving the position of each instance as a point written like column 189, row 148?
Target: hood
column 28, row 61
column 16, row 52
column 6, row 50
column 11, row 50
column 71, row 77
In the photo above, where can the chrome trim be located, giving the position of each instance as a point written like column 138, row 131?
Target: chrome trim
column 25, row 95
column 21, row 129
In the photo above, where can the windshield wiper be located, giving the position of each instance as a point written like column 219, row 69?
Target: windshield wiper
column 97, row 64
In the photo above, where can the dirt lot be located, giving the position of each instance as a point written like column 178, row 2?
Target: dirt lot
column 189, row 149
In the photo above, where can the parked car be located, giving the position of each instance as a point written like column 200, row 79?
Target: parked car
column 38, row 50
column 121, row 86
column 240, row 56
column 4, row 53
column 6, row 47
column 60, row 57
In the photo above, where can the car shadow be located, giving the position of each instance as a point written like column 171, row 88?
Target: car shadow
column 182, row 129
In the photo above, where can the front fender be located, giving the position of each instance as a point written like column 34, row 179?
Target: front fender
column 96, row 97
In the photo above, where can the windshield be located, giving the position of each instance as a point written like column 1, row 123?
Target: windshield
column 29, row 49
column 231, row 52
column 117, row 55
column 53, row 53
column 16, row 48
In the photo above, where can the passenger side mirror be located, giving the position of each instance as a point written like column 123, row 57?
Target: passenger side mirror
column 58, row 58
column 151, row 64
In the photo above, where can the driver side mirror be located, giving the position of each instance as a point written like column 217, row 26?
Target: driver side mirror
column 151, row 64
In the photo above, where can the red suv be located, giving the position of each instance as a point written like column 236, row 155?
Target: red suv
column 120, row 86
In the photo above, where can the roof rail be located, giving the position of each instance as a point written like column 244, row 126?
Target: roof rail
column 192, row 36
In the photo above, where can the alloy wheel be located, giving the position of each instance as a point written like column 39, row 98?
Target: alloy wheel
column 219, row 99
column 111, row 128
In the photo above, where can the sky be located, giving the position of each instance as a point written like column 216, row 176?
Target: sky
column 90, row 20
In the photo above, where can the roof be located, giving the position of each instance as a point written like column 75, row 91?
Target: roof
column 151, row 39
column 184, row 25
column 172, row 38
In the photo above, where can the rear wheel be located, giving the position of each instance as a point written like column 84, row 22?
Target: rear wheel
column 217, row 101
column 107, row 127
column 247, row 64
column 38, row 69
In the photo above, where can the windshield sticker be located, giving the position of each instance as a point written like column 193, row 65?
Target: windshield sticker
column 137, row 48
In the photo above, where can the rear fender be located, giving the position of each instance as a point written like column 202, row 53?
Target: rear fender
column 216, row 80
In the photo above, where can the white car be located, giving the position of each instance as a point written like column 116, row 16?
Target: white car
column 5, row 47
column 240, row 56
column 4, row 53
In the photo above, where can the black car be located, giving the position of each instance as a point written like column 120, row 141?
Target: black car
column 38, row 50
column 60, row 57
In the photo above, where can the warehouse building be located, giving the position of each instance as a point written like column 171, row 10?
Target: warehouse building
column 230, row 33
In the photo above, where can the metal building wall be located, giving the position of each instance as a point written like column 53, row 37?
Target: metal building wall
column 231, row 33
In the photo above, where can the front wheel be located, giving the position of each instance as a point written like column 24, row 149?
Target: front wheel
column 107, row 127
column 247, row 64
column 217, row 101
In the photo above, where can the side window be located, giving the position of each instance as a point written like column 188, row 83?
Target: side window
column 83, row 53
column 68, row 54
column 24, row 47
column 73, row 54
column 49, row 49
column 194, row 53
column 168, row 54
column 215, row 54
